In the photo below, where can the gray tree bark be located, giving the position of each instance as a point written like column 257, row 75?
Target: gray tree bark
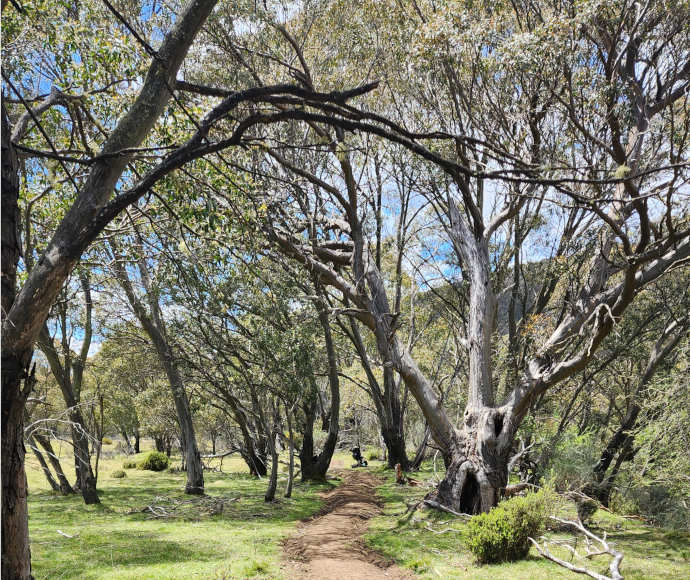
column 65, row 487
column 23, row 315
column 314, row 467
column 154, row 326
column 69, row 374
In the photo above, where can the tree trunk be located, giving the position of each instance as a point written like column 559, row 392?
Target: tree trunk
column 291, row 451
column 478, row 470
column 137, row 438
column 386, row 403
column 153, row 324
column 421, row 450
column 251, row 453
column 16, row 554
column 273, row 479
column 256, row 463
column 65, row 487
column 126, row 439
column 394, row 439
column 159, row 443
column 315, row 470
column 86, row 480
column 42, row 462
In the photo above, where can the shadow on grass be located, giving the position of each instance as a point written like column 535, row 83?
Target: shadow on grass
column 116, row 549
column 674, row 544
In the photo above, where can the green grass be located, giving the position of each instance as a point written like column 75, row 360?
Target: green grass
column 244, row 541
column 649, row 552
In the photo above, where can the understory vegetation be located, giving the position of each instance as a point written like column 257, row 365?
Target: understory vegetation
column 248, row 244
column 434, row 544
column 179, row 539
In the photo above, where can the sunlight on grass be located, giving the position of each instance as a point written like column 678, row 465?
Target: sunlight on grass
column 243, row 541
column 649, row 552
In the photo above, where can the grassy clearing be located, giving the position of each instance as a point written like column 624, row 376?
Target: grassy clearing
column 241, row 542
column 649, row 552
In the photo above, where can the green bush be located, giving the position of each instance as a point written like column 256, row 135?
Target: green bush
column 129, row 464
column 118, row 474
column 154, row 461
column 107, row 441
column 502, row 534
column 372, row 455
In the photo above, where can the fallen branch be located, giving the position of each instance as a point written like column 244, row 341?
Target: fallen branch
column 66, row 535
column 220, row 455
column 443, row 508
column 443, row 531
column 511, row 490
column 604, row 548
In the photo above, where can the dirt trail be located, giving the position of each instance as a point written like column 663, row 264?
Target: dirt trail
column 330, row 545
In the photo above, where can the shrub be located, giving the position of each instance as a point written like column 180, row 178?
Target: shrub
column 373, row 455
column 118, row 474
column 573, row 461
column 129, row 464
column 107, row 441
column 154, row 461
column 502, row 534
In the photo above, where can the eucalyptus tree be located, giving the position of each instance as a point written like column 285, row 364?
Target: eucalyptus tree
column 68, row 369
column 118, row 123
column 580, row 111
column 659, row 326
column 40, row 429
column 136, row 273
column 247, row 335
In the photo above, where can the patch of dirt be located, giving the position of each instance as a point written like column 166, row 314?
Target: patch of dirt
column 330, row 547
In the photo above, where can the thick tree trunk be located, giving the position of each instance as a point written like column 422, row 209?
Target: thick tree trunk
column 394, row 440
column 391, row 417
column 65, row 487
column 386, row 403
column 256, row 463
column 16, row 554
column 478, row 470
column 316, row 470
column 137, row 438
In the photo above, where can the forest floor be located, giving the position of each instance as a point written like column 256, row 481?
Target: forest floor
column 330, row 546
column 229, row 533
column 433, row 543
column 355, row 524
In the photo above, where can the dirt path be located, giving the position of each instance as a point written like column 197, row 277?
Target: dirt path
column 330, row 545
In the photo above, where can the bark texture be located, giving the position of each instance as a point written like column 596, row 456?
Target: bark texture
column 314, row 467
column 16, row 383
column 23, row 315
